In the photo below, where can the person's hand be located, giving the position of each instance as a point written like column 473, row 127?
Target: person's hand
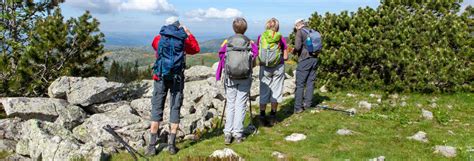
column 187, row 30
column 251, row 41
column 285, row 54
column 299, row 26
column 290, row 49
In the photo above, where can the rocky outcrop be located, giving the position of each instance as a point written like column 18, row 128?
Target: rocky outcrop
column 10, row 128
column 49, row 141
column 196, row 73
column 69, row 124
column 123, row 119
column 139, row 89
column 7, row 145
column 33, row 108
column 70, row 117
column 84, row 91
column 101, row 108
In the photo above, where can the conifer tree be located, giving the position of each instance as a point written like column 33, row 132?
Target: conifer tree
column 38, row 46
column 422, row 46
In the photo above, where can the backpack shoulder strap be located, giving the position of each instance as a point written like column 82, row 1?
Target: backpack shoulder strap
column 231, row 46
column 306, row 30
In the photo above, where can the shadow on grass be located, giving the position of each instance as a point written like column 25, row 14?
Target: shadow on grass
column 285, row 111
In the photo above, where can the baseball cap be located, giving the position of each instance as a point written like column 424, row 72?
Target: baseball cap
column 299, row 20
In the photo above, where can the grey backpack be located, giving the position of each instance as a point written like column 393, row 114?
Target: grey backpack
column 238, row 58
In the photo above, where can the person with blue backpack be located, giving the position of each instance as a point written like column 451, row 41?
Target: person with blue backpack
column 171, row 45
column 237, row 55
column 307, row 47
column 272, row 55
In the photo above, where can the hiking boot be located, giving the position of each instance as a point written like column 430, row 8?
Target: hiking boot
column 227, row 139
column 273, row 120
column 263, row 120
column 150, row 150
column 298, row 111
column 172, row 149
column 239, row 139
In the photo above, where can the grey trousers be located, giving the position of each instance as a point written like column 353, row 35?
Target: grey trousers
column 271, row 84
column 161, row 88
column 305, row 76
column 237, row 96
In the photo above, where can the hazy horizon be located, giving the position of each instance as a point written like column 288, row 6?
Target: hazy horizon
column 136, row 22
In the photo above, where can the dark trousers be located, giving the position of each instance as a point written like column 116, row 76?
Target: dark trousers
column 305, row 76
column 161, row 88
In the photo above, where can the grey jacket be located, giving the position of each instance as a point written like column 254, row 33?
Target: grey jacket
column 300, row 47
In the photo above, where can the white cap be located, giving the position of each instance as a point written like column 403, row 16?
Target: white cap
column 171, row 20
column 299, row 20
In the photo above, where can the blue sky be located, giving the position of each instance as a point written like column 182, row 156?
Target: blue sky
column 206, row 18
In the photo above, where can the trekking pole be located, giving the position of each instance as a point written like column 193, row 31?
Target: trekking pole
column 326, row 107
column 251, row 125
column 223, row 113
column 225, row 105
column 129, row 149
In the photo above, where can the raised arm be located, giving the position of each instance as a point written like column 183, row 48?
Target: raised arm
column 254, row 50
column 221, row 53
column 191, row 45
column 298, row 41
column 154, row 44
column 284, row 47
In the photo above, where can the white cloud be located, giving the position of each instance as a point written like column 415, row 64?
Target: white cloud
column 111, row 6
column 98, row 6
column 213, row 13
column 155, row 6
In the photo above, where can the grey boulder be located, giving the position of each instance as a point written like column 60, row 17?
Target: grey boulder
column 428, row 115
column 196, row 73
column 289, row 87
column 122, row 119
column 446, row 151
column 84, row 91
column 101, row 108
column 7, row 145
column 419, row 136
column 70, row 117
column 46, row 141
column 140, row 89
column 34, row 108
column 10, row 128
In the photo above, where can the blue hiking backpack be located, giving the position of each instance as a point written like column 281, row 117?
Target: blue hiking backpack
column 313, row 42
column 171, row 56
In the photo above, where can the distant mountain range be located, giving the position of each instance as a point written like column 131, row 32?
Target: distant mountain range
column 124, row 51
column 132, row 48
column 211, row 46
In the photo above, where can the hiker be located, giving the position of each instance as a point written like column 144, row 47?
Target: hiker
column 237, row 55
column 171, row 45
column 306, row 69
column 272, row 55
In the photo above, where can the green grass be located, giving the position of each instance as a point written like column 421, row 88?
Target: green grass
column 381, row 131
column 206, row 59
column 4, row 154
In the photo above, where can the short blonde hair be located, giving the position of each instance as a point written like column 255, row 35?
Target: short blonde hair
column 239, row 25
column 272, row 24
